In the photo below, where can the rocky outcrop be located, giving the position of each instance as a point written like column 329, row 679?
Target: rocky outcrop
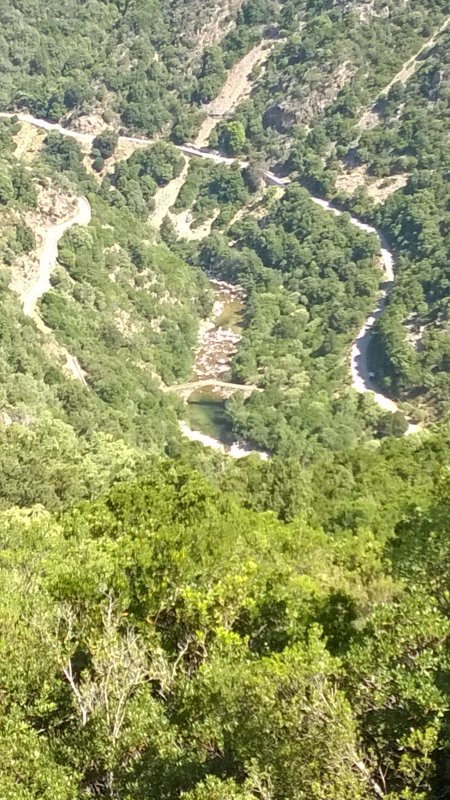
column 279, row 118
column 206, row 23
column 307, row 103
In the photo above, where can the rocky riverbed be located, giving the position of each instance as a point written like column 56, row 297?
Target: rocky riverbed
column 219, row 335
column 218, row 341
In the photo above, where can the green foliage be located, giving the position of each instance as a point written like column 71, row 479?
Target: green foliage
column 209, row 187
column 392, row 425
column 16, row 185
column 326, row 71
column 166, row 626
column 127, row 308
column 106, row 143
column 115, row 309
column 6, row 189
column 259, row 12
column 135, row 181
column 311, row 279
column 29, row 770
column 273, row 630
column 145, row 66
column 412, row 335
column 254, row 176
column 212, row 75
column 63, row 153
column 25, row 238
column 215, row 789
column 232, row 138
column 414, row 119
column 138, row 63
column 98, row 163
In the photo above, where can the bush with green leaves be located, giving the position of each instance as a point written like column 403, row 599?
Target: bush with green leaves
column 179, row 643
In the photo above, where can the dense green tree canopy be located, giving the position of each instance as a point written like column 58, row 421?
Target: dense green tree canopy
column 178, row 642
column 174, row 624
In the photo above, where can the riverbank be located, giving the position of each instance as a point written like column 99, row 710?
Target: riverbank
column 235, row 450
column 218, row 339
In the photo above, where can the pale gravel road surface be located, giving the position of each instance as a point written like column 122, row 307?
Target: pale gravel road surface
column 49, row 255
column 47, row 262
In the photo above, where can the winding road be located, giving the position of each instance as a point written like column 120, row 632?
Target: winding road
column 360, row 372
column 361, row 380
column 47, row 262
column 49, row 255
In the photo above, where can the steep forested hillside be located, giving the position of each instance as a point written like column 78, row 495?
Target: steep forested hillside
column 311, row 279
column 410, row 138
column 409, row 131
column 144, row 64
column 331, row 64
column 413, row 336
column 318, row 112
column 176, row 624
column 121, row 303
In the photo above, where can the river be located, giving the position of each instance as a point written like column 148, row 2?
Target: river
column 219, row 336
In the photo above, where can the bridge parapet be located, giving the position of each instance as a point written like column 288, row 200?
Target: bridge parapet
column 221, row 389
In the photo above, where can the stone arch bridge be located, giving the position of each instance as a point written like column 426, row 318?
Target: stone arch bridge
column 222, row 389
